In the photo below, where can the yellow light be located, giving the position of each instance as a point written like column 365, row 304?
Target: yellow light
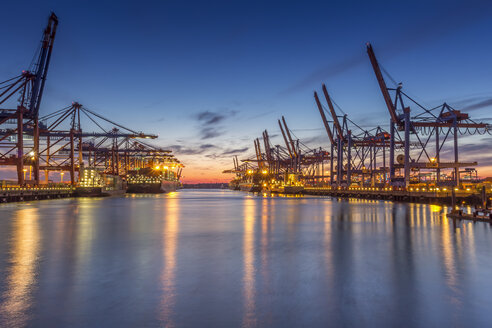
column 166, row 168
column 432, row 159
column 435, row 208
column 264, row 185
column 250, row 171
column 264, row 171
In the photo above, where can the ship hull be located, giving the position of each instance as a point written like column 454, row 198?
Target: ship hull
column 152, row 188
column 89, row 191
column 97, row 192
column 234, row 186
column 293, row 189
column 250, row 187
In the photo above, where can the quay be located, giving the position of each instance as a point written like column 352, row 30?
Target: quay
column 19, row 194
column 430, row 196
column 97, row 154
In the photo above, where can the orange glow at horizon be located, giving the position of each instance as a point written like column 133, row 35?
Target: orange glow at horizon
column 199, row 170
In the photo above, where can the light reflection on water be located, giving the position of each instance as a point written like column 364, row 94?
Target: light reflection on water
column 170, row 236
column 223, row 258
column 249, row 319
column 23, row 261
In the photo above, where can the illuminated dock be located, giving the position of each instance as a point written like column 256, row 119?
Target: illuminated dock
column 19, row 194
column 418, row 195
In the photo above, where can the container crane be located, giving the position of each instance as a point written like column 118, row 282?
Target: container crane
column 424, row 125
column 30, row 86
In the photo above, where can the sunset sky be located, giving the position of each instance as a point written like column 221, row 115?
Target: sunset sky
column 209, row 76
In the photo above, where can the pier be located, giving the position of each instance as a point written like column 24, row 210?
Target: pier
column 91, row 150
column 430, row 196
column 19, row 194
column 415, row 158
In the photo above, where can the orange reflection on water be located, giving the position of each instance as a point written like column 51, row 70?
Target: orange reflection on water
column 168, row 276
column 21, row 277
column 265, row 229
column 249, row 319
column 449, row 262
column 328, row 215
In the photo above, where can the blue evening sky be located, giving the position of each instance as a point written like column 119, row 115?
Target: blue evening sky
column 209, row 76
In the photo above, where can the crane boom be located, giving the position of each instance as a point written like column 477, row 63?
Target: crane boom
column 266, row 140
column 43, row 64
column 333, row 113
column 294, row 151
column 259, row 156
column 285, row 139
column 323, row 117
column 382, row 84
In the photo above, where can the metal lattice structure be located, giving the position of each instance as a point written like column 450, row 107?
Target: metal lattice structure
column 57, row 141
column 21, row 122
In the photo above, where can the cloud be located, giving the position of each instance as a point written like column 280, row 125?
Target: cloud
column 321, row 139
column 470, row 149
column 235, row 151
column 207, row 146
column 209, row 118
column 430, row 28
column 325, row 72
column 197, row 150
column 261, row 114
column 209, row 133
column 226, row 153
column 210, row 122
column 478, row 105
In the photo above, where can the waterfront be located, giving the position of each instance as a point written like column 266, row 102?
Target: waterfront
column 227, row 259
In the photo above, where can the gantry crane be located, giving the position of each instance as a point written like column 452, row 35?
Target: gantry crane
column 425, row 124
column 29, row 86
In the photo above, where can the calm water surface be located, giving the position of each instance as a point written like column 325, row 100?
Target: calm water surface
column 229, row 259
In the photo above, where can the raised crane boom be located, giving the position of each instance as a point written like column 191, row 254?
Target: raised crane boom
column 382, row 85
column 294, row 151
column 323, row 117
column 267, row 147
column 285, row 139
column 42, row 65
column 333, row 113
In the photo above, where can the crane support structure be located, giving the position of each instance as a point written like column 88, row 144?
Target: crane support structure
column 421, row 148
column 57, row 142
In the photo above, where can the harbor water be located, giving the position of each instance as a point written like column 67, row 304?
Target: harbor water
column 219, row 258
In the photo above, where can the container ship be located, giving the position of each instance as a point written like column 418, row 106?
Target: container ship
column 93, row 183
column 250, row 186
column 153, row 180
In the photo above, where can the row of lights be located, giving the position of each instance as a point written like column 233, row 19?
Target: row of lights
column 34, row 188
column 264, row 172
column 390, row 189
column 91, row 178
